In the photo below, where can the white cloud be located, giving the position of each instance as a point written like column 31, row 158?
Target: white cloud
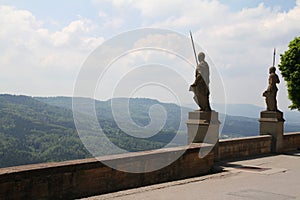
column 240, row 43
column 110, row 22
column 113, row 23
column 37, row 61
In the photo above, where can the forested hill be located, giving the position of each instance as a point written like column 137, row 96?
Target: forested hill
column 32, row 132
column 42, row 129
column 35, row 130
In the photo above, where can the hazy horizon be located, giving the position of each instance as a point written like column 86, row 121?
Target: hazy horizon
column 192, row 105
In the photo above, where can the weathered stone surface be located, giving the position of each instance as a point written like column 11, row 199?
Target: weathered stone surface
column 291, row 141
column 87, row 177
column 203, row 127
column 271, row 116
column 271, row 123
column 244, row 147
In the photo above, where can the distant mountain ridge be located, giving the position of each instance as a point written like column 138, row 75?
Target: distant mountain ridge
column 253, row 111
column 239, row 117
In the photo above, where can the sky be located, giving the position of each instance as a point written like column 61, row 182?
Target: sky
column 44, row 44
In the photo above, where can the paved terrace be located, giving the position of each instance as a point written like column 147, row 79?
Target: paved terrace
column 271, row 177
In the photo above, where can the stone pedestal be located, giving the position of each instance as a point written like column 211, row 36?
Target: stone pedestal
column 271, row 123
column 203, row 126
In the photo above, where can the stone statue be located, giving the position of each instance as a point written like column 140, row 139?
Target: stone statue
column 201, row 85
column 271, row 92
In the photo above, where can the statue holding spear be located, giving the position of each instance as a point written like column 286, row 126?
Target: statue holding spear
column 200, row 87
column 271, row 92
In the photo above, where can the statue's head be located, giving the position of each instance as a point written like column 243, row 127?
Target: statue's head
column 272, row 70
column 201, row 56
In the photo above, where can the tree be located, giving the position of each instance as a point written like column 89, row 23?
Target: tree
column 290, row 70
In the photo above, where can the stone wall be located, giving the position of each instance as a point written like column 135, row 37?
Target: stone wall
column 87, row 177
column 244, row 147
column 291, row 141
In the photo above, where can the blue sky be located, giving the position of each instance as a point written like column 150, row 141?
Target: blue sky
column 45, row 43
column 63, row 12
column 236, row 5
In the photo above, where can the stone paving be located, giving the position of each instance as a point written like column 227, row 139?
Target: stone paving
column 274, row 177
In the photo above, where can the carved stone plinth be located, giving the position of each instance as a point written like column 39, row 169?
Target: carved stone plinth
column 203, row 126
column 271, row 123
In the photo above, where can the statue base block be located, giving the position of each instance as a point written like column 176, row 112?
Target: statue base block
column 203, row 126
column 271, row 123
column 275, row 116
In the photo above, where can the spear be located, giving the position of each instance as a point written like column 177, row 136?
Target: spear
column 194, row 47
column 274, row 57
